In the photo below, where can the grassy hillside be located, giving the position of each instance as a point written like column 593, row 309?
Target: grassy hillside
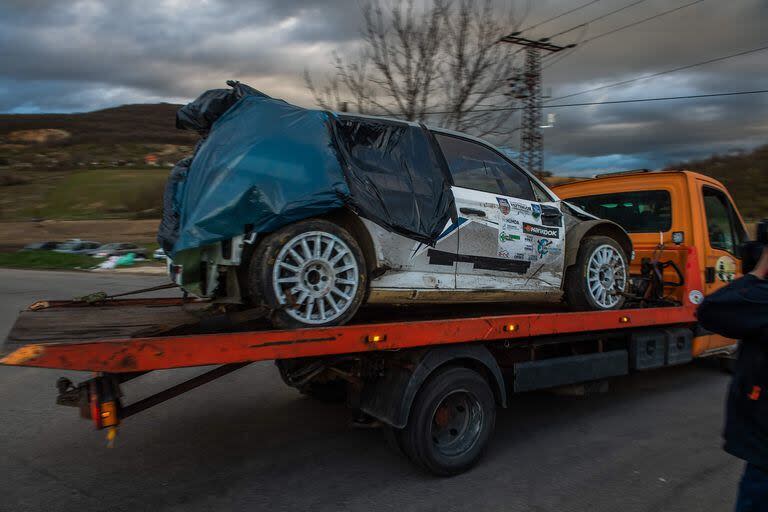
column 105, row 164
column 85, row 194
column 745, row 175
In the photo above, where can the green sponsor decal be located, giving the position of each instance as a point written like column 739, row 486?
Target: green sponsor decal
column 507, row 237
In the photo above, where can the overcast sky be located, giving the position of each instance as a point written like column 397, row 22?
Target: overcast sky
column 72, row 56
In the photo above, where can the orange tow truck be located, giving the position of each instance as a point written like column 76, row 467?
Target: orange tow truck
column 433, row 378
column 666, row 210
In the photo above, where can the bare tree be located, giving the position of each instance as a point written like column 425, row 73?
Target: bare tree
column 478, row 69
column 441, row 64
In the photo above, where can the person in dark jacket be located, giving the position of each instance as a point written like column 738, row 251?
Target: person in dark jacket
column 740, row 311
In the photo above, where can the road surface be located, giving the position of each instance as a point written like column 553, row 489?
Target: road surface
column 247, row 442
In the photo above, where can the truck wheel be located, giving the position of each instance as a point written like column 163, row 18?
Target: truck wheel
column 450, row 423
column 598, row 279
column 310, row 274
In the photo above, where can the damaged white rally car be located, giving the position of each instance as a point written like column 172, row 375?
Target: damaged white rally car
column 508, row 238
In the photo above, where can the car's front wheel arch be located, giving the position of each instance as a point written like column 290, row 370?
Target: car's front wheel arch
column 599, row 227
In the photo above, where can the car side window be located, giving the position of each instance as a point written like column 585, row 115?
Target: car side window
column 541, row 195
column 478, row 167
column 724, row 229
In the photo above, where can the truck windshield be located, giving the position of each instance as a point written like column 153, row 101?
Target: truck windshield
column 642, row 211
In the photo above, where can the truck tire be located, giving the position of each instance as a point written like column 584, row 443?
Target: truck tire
column 598, row 279
column 309, row 274
column 450, row 423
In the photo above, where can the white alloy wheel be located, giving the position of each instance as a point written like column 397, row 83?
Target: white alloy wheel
column 606, row 276
column 316, row 276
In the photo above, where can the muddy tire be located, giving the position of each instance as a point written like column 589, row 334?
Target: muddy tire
column 599, row 277
column 309, row 274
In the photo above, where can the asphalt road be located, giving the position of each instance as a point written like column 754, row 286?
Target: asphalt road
column 247, row 442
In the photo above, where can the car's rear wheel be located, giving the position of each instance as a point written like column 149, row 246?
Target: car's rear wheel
column 598, row 279
column 310, row 274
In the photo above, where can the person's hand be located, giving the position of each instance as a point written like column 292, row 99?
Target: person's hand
column 761, row 269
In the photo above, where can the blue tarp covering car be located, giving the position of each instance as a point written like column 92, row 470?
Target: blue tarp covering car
column 263, row 163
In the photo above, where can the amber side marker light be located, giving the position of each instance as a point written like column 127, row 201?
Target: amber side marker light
column 376, row 338
column 109, row 414
column 623, row 319
column 511, row 328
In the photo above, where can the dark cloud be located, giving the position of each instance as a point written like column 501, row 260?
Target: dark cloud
column 87, row 54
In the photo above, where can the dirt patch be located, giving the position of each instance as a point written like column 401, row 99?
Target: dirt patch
column 17, row 234
column 41, row 136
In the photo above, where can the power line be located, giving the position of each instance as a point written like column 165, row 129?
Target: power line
column 564, row 55
column 602, row 17
column 559, row 15
column 629, row 25
column 659, row 15
column 664, row 98
column 615, row 102
column 653, row 75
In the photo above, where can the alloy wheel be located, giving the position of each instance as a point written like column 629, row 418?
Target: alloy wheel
column 316, row 277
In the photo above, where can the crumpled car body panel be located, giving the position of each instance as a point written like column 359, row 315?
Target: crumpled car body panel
column 264, row 164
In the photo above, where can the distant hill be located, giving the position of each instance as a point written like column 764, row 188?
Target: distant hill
column 139, row 124
column 745, row 174
column 125, row 136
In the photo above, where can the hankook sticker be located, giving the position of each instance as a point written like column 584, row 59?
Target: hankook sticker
column 547, row 232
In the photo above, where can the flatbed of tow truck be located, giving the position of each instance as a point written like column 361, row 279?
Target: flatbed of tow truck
column 387, row 367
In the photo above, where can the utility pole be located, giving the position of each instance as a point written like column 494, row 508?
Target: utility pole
column 531, row 138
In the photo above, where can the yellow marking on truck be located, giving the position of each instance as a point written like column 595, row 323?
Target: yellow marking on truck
column 23, row 354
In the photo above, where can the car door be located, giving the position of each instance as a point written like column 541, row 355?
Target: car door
column 508, row 240
column 725, row 233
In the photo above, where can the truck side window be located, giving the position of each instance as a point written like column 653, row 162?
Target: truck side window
column 478, row 167
column 724, row 229
column 641, row 211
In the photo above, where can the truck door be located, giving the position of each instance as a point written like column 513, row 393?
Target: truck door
column 724, row 234
column 507, row 240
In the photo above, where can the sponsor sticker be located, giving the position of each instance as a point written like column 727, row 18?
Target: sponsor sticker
column 508, row 237
column 536, row 210
column 503, row 205
column 532, row 257
column 520, row 208
column 544, row 231
column 725, row 269
column 543, row 246
column 519, row 256
column 511, row 223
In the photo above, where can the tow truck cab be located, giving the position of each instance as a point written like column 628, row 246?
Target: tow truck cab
column 664, row 211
